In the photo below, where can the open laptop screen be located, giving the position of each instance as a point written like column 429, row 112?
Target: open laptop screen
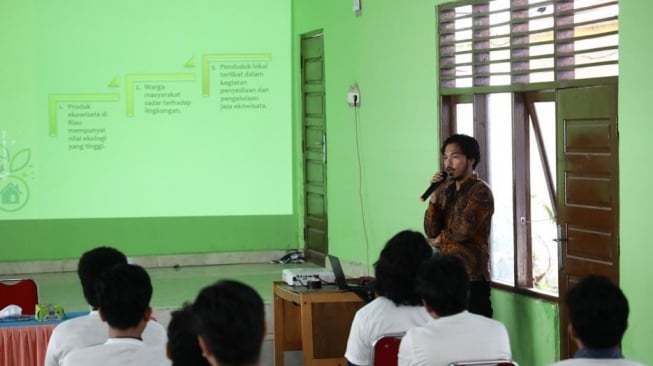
column 337, row 272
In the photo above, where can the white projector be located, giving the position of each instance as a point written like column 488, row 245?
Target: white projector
column 301, row 276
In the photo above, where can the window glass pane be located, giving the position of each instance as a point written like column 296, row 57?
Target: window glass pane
column 499, row 79
column 596, row 71
column 542, row 218
column 465, row 118
column 500, row 178
column 538, row 77
column 464, row 82
column 546, row 114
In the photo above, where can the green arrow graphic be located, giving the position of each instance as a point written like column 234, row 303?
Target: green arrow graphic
column 227, row 57
column 55, row 99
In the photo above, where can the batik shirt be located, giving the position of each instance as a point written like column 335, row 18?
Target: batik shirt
column 462, row 219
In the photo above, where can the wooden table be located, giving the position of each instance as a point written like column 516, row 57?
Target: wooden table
column 314, row 321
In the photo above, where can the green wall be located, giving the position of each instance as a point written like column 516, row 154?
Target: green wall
column 28, row 240
column 635, row 132
column 390, row 51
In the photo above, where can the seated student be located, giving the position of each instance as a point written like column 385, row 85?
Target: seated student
column 183, row 346
column 598, row 314
column 454, row 334
column 397, row 307
column 229, row 320
column 123, row 295
column 90, row 330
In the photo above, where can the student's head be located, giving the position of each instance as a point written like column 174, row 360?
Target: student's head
column 598, row 312
column 123, row 294
column 466, row 145
column 443, row 284
column 92, row 264
column 230, row 322
column 183, row 347
column 396, row 269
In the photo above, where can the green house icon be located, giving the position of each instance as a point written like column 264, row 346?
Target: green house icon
column 10, row 194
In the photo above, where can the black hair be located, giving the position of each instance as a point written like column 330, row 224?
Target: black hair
column 183, row 347
column 123, row 293
column 92, row 264
column 396, row 269
column 467, row 144
column 598, row 311
column 443, row 283
column 230, row 318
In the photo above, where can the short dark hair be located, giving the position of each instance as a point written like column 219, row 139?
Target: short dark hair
column 230, row 318
column 183, row 347
column 396, row 269
column 92, row 264
column 124, row 294
column 467, row 144
column 598, row 311
column 443, row 283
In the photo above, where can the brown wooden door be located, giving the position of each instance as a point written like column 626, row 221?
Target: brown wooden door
column 588, row 190
column 314, row 147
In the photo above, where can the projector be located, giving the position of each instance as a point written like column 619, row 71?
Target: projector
column 301, row 276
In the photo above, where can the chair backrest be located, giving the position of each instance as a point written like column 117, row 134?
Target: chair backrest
column 19, row 291
column 385, row 350
column 485, row 363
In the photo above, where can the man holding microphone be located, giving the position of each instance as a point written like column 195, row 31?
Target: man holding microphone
column 459, row 216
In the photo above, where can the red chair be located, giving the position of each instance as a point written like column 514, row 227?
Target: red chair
column 19, row 291
column 385, row 350
column 485, row 363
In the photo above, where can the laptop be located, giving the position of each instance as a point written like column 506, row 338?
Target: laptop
column 364, row 292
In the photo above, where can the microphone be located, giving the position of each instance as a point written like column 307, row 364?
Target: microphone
column 433, row 187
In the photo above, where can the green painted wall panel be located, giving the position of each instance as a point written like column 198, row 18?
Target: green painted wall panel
column 532, row 325
column 66, row 239
column 635, row 133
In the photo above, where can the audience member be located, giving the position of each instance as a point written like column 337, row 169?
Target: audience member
column 598, row 315
column 453, row 334
column 398, row 306
column 183, row 346
column 123, row 295
column 229, row 320
column 91, row 330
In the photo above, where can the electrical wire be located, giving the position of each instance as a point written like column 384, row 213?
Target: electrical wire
column 360, row 188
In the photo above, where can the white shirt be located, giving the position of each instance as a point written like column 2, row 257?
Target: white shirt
column 596, row 362
column 380, row 317
column 118, row 352
column 460, row 337
column 90, row 330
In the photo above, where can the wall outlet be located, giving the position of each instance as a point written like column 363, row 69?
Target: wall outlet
column 354, row 96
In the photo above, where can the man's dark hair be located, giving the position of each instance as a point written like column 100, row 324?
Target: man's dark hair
column 598, row 311
column 467, row 144
column 229, row 317
column 123, row 293
column 183, row 347
column 443, row 283
column 92, row 264
column 396, row 269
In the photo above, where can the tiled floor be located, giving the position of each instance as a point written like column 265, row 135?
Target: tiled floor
column 174, row 286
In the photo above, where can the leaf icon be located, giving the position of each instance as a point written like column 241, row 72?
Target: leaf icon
column 20, row 160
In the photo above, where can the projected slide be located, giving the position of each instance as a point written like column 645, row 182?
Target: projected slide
column 145, row 109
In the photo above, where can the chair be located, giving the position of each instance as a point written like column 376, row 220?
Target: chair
column 19, row 291
column 385, row 350
column 485, row 363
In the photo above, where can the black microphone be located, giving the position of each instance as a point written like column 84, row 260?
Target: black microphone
column 433, row 187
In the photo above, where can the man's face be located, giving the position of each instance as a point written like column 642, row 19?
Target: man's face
column 455, row 163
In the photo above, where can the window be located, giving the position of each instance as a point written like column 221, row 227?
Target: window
column 500, row 64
